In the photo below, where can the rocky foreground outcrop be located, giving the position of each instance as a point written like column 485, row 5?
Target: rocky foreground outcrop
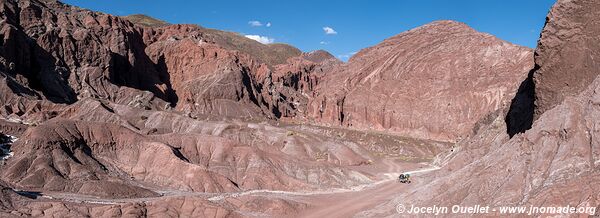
column 565, row 64
column 434, row 82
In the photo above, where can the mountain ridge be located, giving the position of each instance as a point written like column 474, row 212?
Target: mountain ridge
column 114, row 118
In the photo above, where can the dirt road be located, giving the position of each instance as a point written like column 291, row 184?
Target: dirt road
column 326, row 203
column 351, row 203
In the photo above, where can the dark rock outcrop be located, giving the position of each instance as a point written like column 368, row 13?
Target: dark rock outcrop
column 566, row 53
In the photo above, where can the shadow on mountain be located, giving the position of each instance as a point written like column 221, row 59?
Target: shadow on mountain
column 520, row 115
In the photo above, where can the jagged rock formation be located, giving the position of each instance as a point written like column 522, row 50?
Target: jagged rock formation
column 57, row 56
column 48, row 54
column 209, row 79
column 565, row 54
column 561, row 68
column 434, row 82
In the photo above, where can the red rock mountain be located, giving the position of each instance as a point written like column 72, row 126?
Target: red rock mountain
column 135, row 117
column 434, row 82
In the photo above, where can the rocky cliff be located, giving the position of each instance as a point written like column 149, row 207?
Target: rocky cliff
column 565, row 54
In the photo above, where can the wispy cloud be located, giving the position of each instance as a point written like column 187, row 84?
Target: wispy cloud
column 329, row 30
column 324, row 43
column 346, row 56
column 254, row 23
column 261, row 39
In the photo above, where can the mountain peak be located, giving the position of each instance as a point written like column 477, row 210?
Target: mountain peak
column 145, row 20
column 318, row 56
column 447, row 23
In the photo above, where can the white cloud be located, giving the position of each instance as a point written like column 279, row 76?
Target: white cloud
column 346, row 56
column 261, row 39
column 329, row 30
column 269, row 24
column 323, row 43
column 255, row 23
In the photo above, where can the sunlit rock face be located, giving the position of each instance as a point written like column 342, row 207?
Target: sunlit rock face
column 436, row 81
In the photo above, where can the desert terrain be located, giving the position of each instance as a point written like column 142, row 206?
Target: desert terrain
column 109, row 116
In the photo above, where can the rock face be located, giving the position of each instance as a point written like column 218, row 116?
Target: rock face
column 562, row 69
column 434, row 82
column 207, row 78
column 566, row 51
column 58, row 56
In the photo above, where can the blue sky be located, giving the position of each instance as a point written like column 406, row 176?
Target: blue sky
column 355, row 24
